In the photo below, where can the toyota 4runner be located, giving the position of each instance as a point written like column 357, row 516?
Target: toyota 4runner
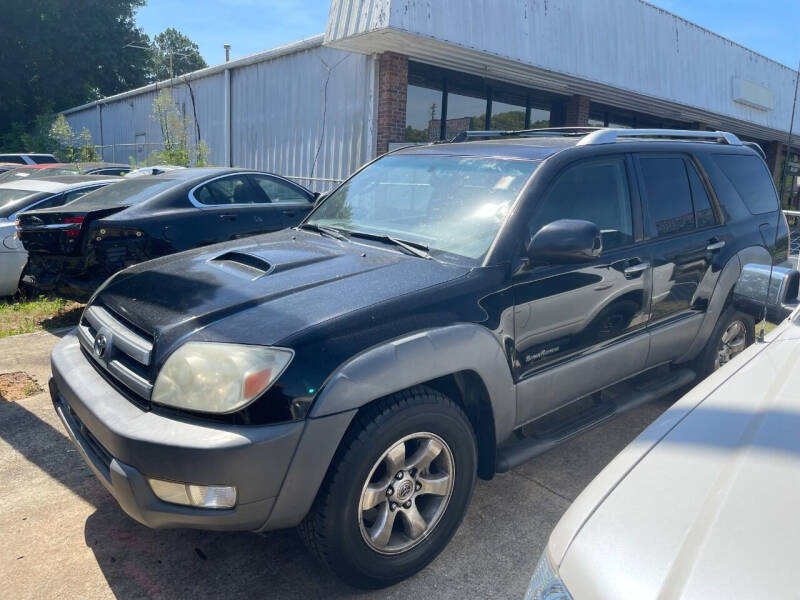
column 445, row 314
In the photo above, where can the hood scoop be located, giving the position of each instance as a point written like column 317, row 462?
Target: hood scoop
column 248, row 265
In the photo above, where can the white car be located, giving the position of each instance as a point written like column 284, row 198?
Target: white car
column 154, row 170
column 17, row 196
column 704, row 503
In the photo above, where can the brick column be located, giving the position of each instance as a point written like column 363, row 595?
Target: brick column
column 577, row 111
column 392, row 96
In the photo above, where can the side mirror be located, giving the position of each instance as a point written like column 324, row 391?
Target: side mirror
column 319, row 197
column 565, row 242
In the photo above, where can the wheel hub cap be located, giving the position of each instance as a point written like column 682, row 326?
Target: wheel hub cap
column 406, row 493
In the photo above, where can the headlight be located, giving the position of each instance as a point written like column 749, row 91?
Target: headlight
column 545, row 583
column 218, row 378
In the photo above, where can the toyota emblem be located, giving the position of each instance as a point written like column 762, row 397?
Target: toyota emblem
column 100, row 345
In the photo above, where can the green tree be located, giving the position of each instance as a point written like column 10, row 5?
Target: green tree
column 178, row 135
column 69, row 147
column 173, row 54
column 58, row 54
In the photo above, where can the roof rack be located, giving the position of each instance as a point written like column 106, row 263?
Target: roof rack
column 611, row 136
column 542, row 132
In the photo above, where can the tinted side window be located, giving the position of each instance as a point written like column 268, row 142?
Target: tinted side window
column 41, row 159
column 228, row 190
column 12, row 159
column 750, row 178
column 666, row 189
column 279, row 192
column 703, row 213
column 593, row 190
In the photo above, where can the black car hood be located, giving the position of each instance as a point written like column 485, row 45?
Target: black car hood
column 287, row 281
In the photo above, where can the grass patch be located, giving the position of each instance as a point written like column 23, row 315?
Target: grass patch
column 26, row 315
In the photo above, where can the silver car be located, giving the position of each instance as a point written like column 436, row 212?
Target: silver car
column 704, row 503
column 17, row 196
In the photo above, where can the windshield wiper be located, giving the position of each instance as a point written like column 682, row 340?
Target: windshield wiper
column 324, row 230
column 414, row 248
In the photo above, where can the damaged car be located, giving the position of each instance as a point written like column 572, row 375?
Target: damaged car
column 73, row 249
column 17, row 196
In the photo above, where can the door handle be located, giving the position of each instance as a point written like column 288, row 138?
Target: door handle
column 634, row 270
column 715, row 245
column 229, row 216
column 290, row 213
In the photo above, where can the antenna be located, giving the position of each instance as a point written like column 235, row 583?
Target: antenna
column 780, row 200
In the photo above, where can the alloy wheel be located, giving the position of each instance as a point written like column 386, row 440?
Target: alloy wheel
column 732, row 342
column 406, row 493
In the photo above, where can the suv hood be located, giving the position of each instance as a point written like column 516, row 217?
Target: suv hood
column 709, row 506
column 290, row 280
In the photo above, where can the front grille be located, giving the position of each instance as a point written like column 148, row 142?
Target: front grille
column 119, row 349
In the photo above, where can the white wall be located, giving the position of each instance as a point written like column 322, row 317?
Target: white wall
column 575, row 46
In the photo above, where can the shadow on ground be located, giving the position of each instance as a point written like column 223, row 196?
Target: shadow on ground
column 491, row 556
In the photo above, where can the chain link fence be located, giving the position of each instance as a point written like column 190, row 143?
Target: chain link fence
column 124, row 153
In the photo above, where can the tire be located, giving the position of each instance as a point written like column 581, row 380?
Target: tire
column 424, row 423
column 711, row 359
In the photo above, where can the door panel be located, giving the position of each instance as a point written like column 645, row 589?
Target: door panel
column 685, row 238
column 565, row 313
column 684, row 235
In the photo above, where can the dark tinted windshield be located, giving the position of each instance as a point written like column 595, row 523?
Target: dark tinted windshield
column 124, row 193
column 13, row 200
column 453, row 204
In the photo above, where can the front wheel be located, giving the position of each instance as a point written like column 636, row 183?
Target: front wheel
column 397, row 490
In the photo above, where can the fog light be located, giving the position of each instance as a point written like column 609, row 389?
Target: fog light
column 188, row 494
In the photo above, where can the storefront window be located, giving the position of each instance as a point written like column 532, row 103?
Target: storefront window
column 539, row 118
column 464, row 113
column 508, row 116
column 423, row 114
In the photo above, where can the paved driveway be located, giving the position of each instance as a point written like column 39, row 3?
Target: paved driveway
column 62, row 535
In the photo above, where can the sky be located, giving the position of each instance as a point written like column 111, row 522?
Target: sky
column 769, row 27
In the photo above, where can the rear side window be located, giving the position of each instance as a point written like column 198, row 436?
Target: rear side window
column 12, row 159
column 43, row 159
column 669, row 197
column 228, row 190
column 703, row 213
column 751, row 180
column 279, row 192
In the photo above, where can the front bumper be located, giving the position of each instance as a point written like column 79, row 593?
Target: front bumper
column 276, row 469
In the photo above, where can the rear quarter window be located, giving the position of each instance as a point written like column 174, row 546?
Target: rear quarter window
column 750, row 179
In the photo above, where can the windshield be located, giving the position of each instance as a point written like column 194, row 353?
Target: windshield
column 124, row 193
column 451, row 204
column 11, row 201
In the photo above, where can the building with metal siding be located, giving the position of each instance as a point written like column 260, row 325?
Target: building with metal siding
column 389, row 72
column 301, row 109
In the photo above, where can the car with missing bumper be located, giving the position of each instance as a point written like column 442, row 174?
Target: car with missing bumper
column 445, row 314
column 18, row 196
column 74, row 248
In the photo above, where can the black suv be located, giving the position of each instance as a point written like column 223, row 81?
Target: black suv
column 445, row 314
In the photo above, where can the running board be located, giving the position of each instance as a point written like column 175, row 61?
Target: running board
column 544, row 434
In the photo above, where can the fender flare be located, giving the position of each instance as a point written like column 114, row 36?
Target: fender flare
column 420, row 357
column 725, row 283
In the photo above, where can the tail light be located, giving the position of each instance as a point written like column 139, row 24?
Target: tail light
column 76, row 229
